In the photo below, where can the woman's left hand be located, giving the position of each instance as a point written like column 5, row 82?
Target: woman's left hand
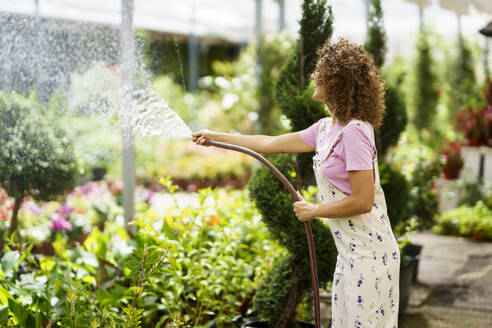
column 304, row 210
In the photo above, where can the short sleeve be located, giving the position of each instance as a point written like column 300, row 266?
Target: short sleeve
column 359, row 150
column 310, row 134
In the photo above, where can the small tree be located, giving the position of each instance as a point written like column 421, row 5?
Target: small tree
column 36, row 158
column 425, row 93
column 286, row 284
column 393, row 182
column 464, row 89
column 376, row 36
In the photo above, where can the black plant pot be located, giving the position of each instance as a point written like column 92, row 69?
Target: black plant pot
column 252, row 322
column 98, row 173
column 413, row 251
column 406, row 273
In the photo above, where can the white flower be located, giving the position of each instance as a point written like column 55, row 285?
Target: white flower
column 229, row 100
column 221, row 82
column 253, row 116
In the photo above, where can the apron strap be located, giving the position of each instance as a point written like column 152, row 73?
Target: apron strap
column 371, row 138
column 325, row 123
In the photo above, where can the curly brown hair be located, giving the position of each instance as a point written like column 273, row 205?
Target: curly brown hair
column 351, row 82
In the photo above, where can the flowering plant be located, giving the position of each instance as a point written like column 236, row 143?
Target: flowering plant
column 476, row 125
column 451, row 160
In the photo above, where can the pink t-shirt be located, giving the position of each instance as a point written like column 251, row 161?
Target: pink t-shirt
column 354, row 151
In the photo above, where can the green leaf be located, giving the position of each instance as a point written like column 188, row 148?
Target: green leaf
column 19, row 313
column 4, row 296
column 9, row 263
column 4, row 316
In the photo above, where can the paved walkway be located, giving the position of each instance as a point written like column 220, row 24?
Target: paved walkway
column 454, row 286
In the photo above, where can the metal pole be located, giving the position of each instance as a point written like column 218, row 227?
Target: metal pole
column 38, row 55
column 193, row 52
column 421, row 19
column 128, row 70
column 367, row 6
column 460, row 62
column 281, row 15
column 258, row 68
column 258, row 36
column 6, row 53
column 486, row 56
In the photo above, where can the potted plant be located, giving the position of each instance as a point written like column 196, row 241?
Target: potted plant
column 451, row 160
column 467, row 121
column 410, row 256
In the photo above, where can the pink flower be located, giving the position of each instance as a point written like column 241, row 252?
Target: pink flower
column 34, row 208
column 147, row 195
column 60, row 224
column 62, row 213
column 86, row 189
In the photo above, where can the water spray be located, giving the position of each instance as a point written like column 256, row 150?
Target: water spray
column 307, row 224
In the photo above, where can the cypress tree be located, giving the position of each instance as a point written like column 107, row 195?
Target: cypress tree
column 285, row 286
column 425, row 95
column 395, row 119
column 393, row 182
column 376, row 36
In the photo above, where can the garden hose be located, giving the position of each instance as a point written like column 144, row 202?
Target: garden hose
column 307, row 224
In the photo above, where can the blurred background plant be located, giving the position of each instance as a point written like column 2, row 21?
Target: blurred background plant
column 451, row 160
column 219, row 249
column 36, row 158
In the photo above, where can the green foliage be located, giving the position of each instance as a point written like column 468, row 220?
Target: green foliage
column 423, row 201
column 36, row 157
column 293, row 94
column 395, row 120
column 275, row 205
column 464, row 90
column 272, row 56
column 475, row 192
column 396, row 192
column 425, row 93
column 271, row 296
column 402, row 231
column 466, row 221
column 376, row 38
column 193, row 267
column 35, row 154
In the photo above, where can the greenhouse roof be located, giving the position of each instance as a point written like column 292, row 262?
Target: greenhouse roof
column 234, row 20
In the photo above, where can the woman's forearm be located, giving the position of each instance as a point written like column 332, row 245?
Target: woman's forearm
column 257, row 143
column 347, row 207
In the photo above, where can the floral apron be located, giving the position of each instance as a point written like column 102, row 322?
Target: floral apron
column 365, row 290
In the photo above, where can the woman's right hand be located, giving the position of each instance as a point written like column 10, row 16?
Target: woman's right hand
column 201, row 136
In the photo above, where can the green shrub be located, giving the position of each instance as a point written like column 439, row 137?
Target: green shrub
column 475, row 192
column 36, row 157
column 423, row 201
column 376, row 36
column 425, row 93
column 293, row 93
column 275, row 204
column 396, row 192
column 465, row 221
column 215, row 255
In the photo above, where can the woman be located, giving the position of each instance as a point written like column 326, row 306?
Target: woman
column 365, row 289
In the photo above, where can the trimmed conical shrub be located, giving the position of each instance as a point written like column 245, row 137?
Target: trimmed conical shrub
column 289, row 280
